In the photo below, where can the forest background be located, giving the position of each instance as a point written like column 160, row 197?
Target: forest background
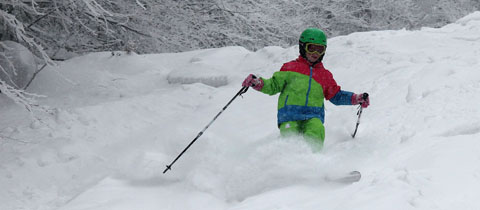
column 58, row 30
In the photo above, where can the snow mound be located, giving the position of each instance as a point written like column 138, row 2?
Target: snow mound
column 211, row 67
column 198, row 73
column 17, row 64
column 475, row 16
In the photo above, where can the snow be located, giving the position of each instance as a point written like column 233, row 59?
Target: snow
column 118, row 120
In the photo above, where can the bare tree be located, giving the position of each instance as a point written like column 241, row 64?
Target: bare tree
column 16, row 29
column 173, row 26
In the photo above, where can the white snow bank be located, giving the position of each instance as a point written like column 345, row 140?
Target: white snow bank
column 210, row 67
column 471, row 18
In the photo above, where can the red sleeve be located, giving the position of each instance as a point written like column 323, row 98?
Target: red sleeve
column 330, row 87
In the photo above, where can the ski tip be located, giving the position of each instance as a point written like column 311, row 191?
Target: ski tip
column 355, row 173
column 351, row 177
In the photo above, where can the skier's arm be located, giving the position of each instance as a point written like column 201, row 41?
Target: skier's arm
column 342, row 98
column 334, row 94
column 275, row 84
column 348, row 98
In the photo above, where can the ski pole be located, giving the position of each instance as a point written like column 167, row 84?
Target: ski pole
column 359, row 113
column 242, row 91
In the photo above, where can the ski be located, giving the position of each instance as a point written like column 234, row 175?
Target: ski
column 351, row 177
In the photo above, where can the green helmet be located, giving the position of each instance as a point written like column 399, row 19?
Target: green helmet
column 313, row 35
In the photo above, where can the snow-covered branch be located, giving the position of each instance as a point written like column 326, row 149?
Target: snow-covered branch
column 172, row 26
column 16, row 27
column 21, row 97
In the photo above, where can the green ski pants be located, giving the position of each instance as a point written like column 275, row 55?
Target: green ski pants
column 312, row 129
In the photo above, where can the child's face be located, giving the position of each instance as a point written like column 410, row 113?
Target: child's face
column 314, row 51
column 313, row 57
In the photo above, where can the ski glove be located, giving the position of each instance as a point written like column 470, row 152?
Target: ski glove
column 253, row 81
column 361, row 99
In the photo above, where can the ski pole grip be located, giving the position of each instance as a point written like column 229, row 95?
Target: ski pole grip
column 254, row 77
column 365, row 96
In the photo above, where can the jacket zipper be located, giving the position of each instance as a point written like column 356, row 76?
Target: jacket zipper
column 309, row 84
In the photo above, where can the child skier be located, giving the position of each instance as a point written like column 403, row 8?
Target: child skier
column 303, row 85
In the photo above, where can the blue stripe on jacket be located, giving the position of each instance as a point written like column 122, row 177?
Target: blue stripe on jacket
column 342, row 98
column 296, row 113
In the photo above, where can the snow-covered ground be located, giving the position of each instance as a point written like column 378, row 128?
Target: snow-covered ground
column 117, row 120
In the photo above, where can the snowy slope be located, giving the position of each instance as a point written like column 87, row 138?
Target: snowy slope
column 118, row 120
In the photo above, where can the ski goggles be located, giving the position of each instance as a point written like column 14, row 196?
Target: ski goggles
column 315, row 48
